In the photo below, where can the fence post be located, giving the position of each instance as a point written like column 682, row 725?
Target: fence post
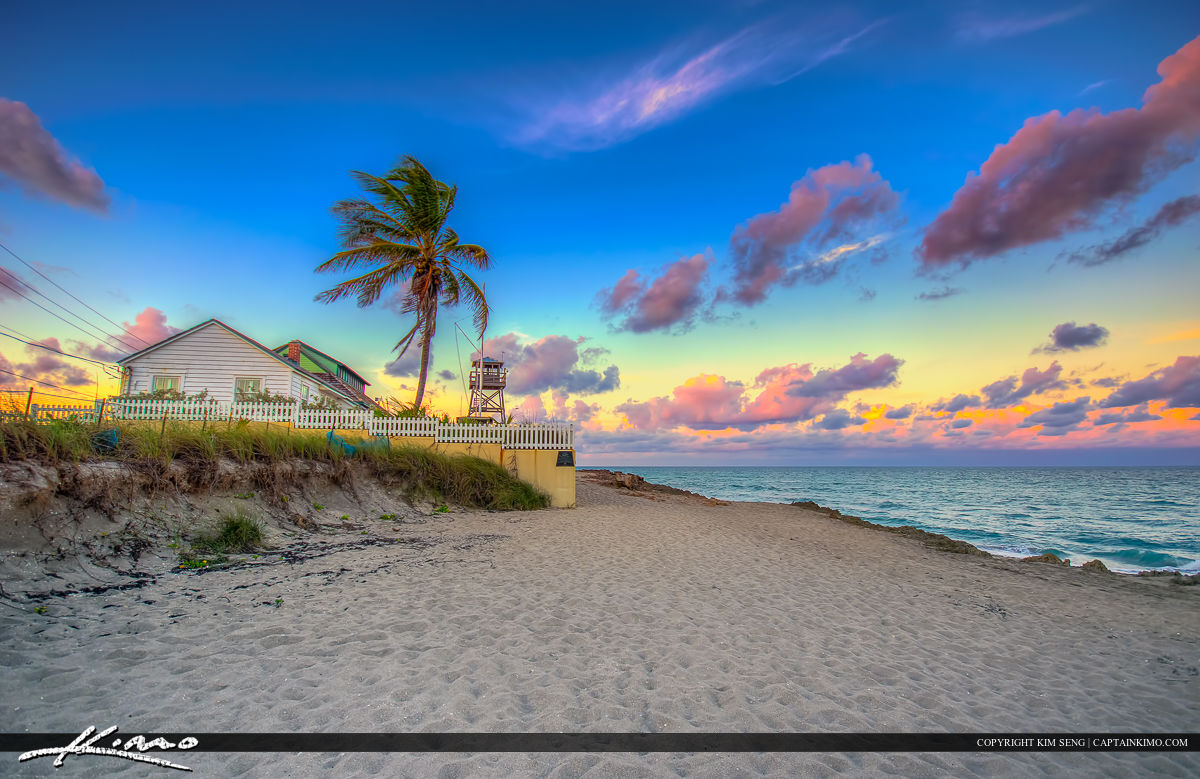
column 31, row 410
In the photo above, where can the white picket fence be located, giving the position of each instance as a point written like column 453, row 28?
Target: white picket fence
column 551, row 435
column 396, row 426
column 86, row 413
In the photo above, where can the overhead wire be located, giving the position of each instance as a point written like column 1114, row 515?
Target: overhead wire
column 40, row 392
column 103, row 335
column 56, row 351
column 60, row 287
column 39, row 381
column 56, row 316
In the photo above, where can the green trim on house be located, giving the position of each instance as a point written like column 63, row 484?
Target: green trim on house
column 316, row 361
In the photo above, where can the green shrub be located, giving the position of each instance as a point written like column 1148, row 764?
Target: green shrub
column 237, row 532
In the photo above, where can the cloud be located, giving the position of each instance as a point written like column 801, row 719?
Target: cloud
column 148, row 328
column 530, row 409
column 11, row 286
column 904, row 412
column 788, row 393
column 1178, row 385
column 957, row 403
column 1069, row 337
column 549, row 363
column 959, row 424
column 32, row 157
column 838, row 419
column 1060, row 418
column 976, row 28
column 671, row 299
column 1170, row 215
column 859, row 373
column 1058, row 173
column 407, row 364
column 577, row 411
column 1093, row 86
column 680, row 81
column 706, row 401
column 1140, row 414
column 826, row 208
column 940, row 294
column 49, row 367
column 447, row 375
column 1006, row 392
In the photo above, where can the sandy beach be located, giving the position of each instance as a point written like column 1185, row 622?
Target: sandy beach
column 636, row 611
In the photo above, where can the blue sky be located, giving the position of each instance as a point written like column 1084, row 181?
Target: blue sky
column 589, row 143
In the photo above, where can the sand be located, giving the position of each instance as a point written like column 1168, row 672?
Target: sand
column 650, row 612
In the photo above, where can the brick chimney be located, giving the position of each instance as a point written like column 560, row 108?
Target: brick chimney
column 294, row 351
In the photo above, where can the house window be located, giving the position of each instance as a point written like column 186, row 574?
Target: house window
column 166, row 383
column 304, row 393
column 243, row 386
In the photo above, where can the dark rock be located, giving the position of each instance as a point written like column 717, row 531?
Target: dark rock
column 1095, row 565
column 1046, row 558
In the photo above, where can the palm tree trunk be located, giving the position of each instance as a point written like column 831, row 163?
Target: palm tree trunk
column 426, row 338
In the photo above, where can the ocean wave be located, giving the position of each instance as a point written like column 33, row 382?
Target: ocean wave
column 1145, row 558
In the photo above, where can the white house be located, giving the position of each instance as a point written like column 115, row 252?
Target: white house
column 213, row 356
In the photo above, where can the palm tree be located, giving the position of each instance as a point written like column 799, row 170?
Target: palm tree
column 402, row 238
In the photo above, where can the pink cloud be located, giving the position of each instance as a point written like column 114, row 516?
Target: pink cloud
column 1006, row 392
column 32, row 157
column 530, row 409
column 1170, row 215
column 678, row 81
column 858, row 374
column 828, row 204
column 552, row 362
column 706, row 401
column 11, row 287
column 576, row 411
column 1177, row 384
column 1058, row 173
column 786, row 394
column 148, row 328
column 974, row 27
column 51, row 368
column 670, row 299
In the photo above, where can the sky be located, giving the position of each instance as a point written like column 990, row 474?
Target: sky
column 722, row 233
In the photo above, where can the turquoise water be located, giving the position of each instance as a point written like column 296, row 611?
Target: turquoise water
column 1132, row 519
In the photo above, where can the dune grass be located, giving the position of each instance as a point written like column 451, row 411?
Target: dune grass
column 236, row 532
column 424, row 473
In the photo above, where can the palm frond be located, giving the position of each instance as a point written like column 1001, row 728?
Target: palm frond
column 474, row 295
column 382, row 253
column 398, row 230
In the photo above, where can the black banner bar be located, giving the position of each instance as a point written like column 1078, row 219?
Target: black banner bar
column 637, row 742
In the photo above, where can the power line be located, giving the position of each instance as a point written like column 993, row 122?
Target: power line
column 39, row 392
column 103, row 336
column 56, row 351
column 109, row 368
column 48, row 384
column 51, row 313
column 85, row 305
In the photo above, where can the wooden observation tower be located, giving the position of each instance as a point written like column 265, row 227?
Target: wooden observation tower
column 487, row 389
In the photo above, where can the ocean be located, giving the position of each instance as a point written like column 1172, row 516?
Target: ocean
column 1131, row 519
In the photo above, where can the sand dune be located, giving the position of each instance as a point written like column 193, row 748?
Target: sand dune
column 649, row 613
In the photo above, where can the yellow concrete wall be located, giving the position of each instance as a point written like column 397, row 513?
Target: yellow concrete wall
column 419, row 441
column 489, row 452
column 537, row 466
